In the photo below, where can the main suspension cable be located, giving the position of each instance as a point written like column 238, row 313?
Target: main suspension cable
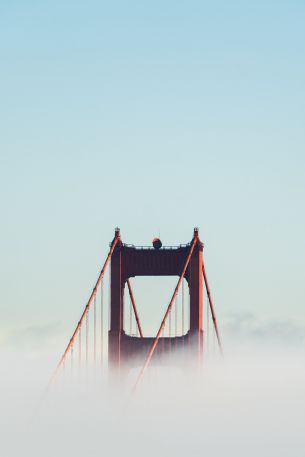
column 134, row 308
column 71, row 355
column 212, row 308
column 156, row 340
column 80, row 322
column 130, row 316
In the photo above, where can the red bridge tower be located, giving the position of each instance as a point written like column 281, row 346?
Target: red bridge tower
column 130, row 261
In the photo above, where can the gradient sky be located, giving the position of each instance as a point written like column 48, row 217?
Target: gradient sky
column 157, row 117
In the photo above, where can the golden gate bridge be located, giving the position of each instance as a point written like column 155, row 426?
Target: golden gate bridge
column 181, row 330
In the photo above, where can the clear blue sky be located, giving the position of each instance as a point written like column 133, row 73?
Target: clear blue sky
column 154, row 116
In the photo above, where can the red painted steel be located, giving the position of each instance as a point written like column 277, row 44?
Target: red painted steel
column 134, row 308
column 87, row 307
column 212, row 308
column 129, row 261
column 156, row 341
column 184, row 261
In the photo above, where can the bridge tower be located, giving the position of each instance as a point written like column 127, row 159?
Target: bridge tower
column 130, row 261
column 126, row 350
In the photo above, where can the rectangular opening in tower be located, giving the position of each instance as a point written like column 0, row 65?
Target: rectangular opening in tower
column 152, row 295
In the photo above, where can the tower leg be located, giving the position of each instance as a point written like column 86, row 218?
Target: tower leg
column 116, row 311
column 195, row 282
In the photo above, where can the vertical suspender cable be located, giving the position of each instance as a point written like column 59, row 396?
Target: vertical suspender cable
column 102, row 321
column 87, row 307
column 170, row 330
column 176, row 319
column 109, row 301
column 176, row 315
column 79, row 348
column 188, row 309
column 188, row 313
column 182, row 313
column 94, row 330
column 208, row 325
column 71, row 359
column 87, row 339
column 188, row 322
